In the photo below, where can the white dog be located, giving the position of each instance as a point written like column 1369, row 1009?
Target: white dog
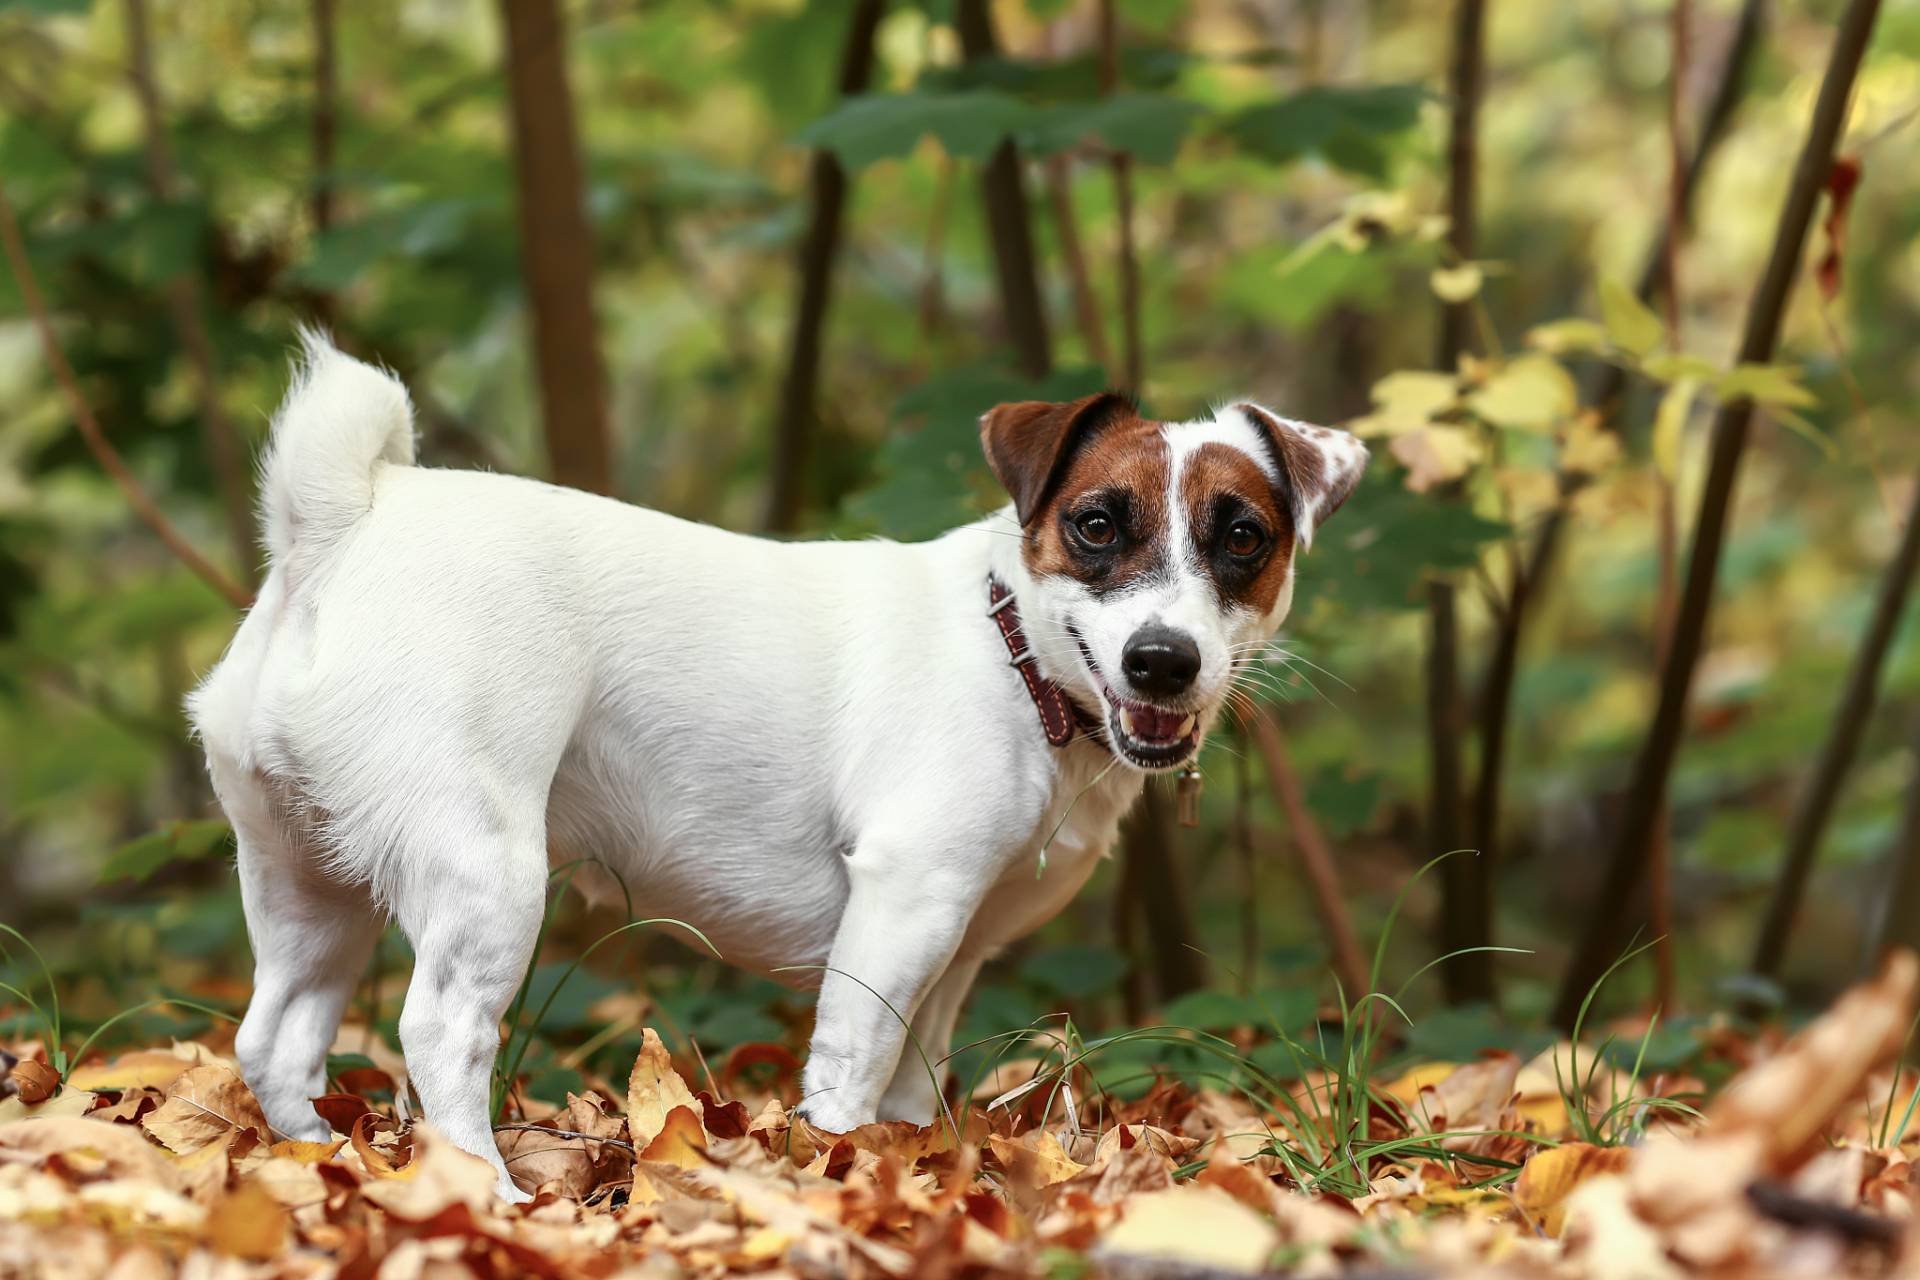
column 841, row 762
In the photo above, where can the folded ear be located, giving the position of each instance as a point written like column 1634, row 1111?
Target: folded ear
column 1030, row 443
column 1318, row 465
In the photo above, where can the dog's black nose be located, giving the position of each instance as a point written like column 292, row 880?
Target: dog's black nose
column 1161, row 662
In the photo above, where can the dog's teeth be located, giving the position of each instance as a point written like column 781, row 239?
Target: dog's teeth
column 1186, row 726
column 1126, row 722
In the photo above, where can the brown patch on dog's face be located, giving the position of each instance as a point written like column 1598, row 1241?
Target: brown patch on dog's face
column 1106, row 523
column 1239, row 532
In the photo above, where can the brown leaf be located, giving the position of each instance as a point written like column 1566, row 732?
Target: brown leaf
column 655, row 1089
column 204, row 1105
column 250, row 1223
column 438, row 1176
column 1789, row 1099
column 376, row 1160
column 340, row 1110
column 114, row 1150
column 35, row 1081
column 308, row 1152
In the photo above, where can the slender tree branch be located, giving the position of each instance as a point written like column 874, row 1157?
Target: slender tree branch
column 184, row 307
column 1646, row 795
column 1850, row 721
column 1495, row 703
column 1086, row 303
column 1466, row 884
column 1008, row 222
column 793, row 426
column 1316, row 859
column 1900, row 923
column 96, row 440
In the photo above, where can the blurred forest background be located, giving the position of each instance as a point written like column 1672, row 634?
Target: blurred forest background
column 764, row 262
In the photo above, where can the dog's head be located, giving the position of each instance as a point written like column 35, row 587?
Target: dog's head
column 1161, row 554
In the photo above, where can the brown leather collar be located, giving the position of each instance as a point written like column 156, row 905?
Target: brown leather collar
column 1059, row 715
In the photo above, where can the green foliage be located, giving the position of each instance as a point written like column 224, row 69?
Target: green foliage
column 177, row 841
column 1346, row 127
column 1388, row 543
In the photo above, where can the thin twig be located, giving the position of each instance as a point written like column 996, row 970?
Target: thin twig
column 568, row 1133
column 96, row 440
column 1343, row 943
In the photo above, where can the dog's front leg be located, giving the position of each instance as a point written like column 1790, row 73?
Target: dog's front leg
column 902, row 924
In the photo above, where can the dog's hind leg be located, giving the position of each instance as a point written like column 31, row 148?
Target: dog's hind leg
column 471, row 905
column 311, row 935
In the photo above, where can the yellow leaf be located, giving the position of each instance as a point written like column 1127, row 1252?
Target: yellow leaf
column 1203, row 1228
column 681, row 1140
column 250, row 1223
column 654, row 1089
column 1408, row 400
column 146, row 1069
column 205, row 1104
column 1586, row 448
column 1768, row 384
column 1575, row 334
column 1407, row 1088
column 1630, row 325
column 1552, row 1174
column 1457, row 284
column 1669, row 421
column 1435, row 454
column 308, row 1152
column 1533, row 393
column 1672, row 368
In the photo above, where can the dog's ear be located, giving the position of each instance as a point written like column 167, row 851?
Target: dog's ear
column 1318, row 466
column 1029, row 443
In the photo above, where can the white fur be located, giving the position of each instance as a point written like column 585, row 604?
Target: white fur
column 815, row 754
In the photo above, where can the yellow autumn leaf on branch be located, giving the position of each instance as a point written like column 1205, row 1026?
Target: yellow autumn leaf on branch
column 1532, row 393
column 1407, row 400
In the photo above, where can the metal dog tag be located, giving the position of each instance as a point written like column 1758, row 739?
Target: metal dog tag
column 1188, row 789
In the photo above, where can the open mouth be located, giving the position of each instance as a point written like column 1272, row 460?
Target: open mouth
column 1148, row 736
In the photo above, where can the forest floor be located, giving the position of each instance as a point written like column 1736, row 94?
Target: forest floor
column 159, row 1162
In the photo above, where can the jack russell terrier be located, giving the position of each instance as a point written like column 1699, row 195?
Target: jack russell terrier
column 857, row 767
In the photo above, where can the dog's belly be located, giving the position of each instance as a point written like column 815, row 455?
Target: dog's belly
column 755, row 871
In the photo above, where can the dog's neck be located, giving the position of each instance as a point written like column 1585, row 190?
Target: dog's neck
column 1051, row 655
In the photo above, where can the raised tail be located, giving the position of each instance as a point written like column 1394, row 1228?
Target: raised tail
column 341, row 418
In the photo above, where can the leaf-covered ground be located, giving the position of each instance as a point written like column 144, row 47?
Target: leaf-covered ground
column 159, row 1162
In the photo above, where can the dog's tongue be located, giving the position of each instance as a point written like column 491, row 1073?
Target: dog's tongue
column 1153, row 723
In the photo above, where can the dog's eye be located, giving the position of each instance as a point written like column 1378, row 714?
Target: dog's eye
column 1095, row 527
column 1244, row 538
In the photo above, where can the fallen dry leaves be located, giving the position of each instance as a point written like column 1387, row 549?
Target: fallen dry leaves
column 160, row 1163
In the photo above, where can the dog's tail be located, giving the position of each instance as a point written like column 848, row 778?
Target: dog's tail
column 341, row 418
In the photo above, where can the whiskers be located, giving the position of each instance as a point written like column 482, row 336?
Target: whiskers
column 1252, row 662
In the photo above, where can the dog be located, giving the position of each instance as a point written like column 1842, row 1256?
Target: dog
column 857, row 767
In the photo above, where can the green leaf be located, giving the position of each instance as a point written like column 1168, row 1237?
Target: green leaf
column 1631, row 326
column 178, row 841
column 1345, row 126
column 1344, row 804
column 930, row 473
column 46, row 8
column 1149, row 126
column 970, row 124
column 1076, row 972
column 1390, row 542
column 1574, row 334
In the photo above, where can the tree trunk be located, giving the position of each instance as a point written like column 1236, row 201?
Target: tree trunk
column 1646, row 795
column 1900, row 927
column 1466, row 880
column 819, row 252
column 1008, row 222
column 1153, row 874
column 326, row 94
column 556, row 248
